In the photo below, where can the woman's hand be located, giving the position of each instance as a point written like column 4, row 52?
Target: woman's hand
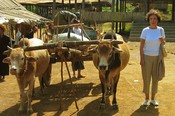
column 141, row 61
column 162, row 40
column 142, row 43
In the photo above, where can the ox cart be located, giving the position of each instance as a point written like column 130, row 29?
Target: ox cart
column 68, row 51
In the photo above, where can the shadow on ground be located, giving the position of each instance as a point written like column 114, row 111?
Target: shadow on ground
column 53, row 100
column 146, row 111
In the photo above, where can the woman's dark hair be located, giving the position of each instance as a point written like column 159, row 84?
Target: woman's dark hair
column 153, row 12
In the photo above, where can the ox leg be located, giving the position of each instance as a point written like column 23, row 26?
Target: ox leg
column 22, row 95
column 29, row 96
column 47, row 76
column 114, row 101
column 108, row 90
column 41, row 85
column 102, row 103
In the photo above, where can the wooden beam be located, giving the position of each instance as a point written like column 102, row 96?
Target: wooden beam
column 112, row 16
column 64, row 45
column 68, row 26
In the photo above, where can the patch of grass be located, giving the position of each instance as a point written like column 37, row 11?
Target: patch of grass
column 107, row 26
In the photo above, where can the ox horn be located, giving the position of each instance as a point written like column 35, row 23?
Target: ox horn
column 7, row 52
column 117, row 49
column 9, row 48
column 92, row 49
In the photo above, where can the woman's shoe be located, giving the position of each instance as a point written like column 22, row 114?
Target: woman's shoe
column 146, row 103
column 154, row 103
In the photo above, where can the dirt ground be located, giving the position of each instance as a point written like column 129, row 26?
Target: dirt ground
column 88, row 92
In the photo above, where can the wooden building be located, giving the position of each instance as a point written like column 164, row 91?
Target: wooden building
column 119, row 12
column 47, row 8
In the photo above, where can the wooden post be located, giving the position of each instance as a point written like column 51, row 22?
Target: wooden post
column 148, row 5
column 173, row 10
column 69, row 4
column 117, row 9
column 83, row 4
column 113, row 2
column 76, row 5
column 70, row 79
column 53, row 8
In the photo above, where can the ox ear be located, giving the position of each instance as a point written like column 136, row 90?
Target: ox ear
column 7, row 52
column 117, row 49
column 6, row 60
column 31, row 59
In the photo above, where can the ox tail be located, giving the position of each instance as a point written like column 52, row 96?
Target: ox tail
column 46, row 78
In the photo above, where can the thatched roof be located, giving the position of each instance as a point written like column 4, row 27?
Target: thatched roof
column 60, row 1
column 13, row 12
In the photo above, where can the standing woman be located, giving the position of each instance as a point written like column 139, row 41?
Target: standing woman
column 4, row 42
column 151, row 38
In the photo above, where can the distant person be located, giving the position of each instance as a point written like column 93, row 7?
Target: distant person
column 32, row 32
column 77, row 65
column 151, row 38
column 76, row 28
column 4, row 42
column 17, row 37
column 49, row 32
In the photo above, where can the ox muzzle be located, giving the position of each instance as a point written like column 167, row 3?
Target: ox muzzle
column 103, row 64
column 13, row 70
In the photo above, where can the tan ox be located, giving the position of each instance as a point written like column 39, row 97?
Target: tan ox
column 26, row 66
column 110, row 60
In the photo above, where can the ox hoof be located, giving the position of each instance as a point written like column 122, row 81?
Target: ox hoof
column 29, row 111
column 115, row 106
column 2, row 78
column 102, row 106
column 21, row 109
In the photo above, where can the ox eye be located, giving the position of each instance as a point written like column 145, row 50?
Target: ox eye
column 22, row 58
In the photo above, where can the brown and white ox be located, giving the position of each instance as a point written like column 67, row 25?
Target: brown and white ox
column 26, row 65
column 110, row 60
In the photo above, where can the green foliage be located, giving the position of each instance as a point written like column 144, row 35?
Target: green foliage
column 106, row 9
column 107, row 26
column 128, row 27
column 132, row 7
column 166, row 15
